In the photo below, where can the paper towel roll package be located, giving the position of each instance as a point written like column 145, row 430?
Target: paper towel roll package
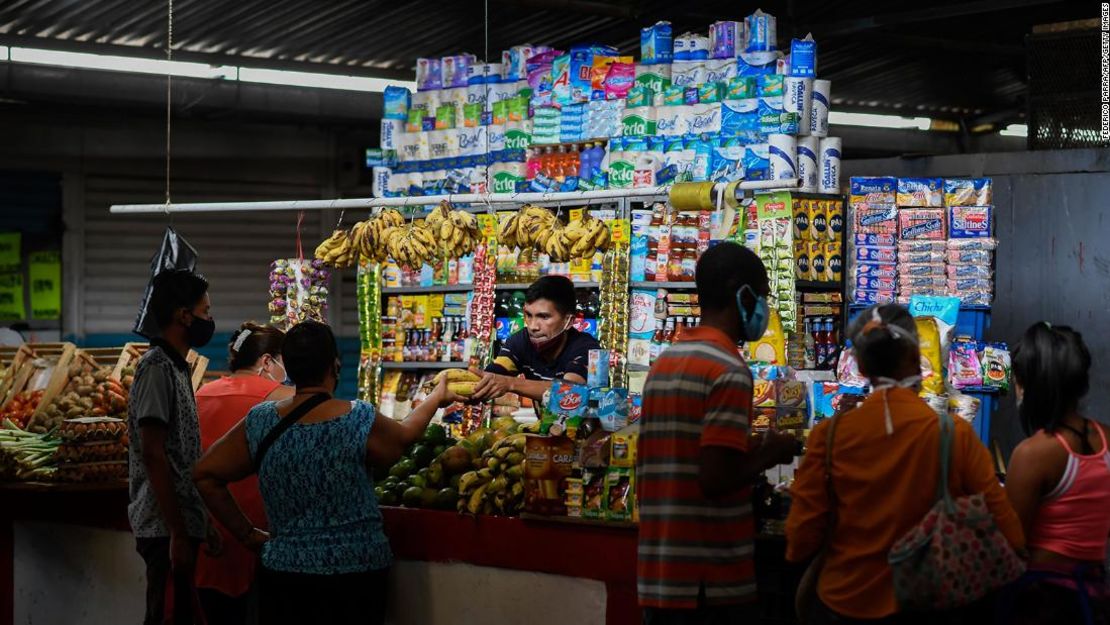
column 808, row 174
column 798, row 97
column 829, row 181
column 819, row 108
column 783, row 151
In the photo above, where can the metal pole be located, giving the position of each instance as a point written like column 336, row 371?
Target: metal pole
column 581, row 197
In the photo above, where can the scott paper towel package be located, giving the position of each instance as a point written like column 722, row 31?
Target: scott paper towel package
column 657, row 44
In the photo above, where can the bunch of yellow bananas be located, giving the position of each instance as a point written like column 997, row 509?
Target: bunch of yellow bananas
column 459, row 381
column 537, row 227
column 457, row 231
column 412, row 246
column 497, row 487
column 338, row 250
column 367, row 235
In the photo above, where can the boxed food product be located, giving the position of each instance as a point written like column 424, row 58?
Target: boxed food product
column 863, row 296
column 921, row 192
column 878, row 221
column 834, row 262
column 619, row 494
column 922, row 223
column 920, row 269
column 866, row 253
column 622, row 446
column 548, row 462
column 875, row 240
column 877, row 270
column 968, row 192
column 873, row 190
column 970, row 222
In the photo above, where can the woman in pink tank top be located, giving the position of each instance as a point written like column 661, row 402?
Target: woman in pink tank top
column 224, row 579
column 1059, row 484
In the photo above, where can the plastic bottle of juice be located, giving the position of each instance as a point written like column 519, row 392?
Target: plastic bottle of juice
column 532, row 161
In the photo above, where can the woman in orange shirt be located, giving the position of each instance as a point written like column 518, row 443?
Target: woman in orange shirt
column 257, row 374
column 885, row 460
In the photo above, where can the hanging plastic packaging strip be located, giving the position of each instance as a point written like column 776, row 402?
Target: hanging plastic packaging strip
column 369, row 292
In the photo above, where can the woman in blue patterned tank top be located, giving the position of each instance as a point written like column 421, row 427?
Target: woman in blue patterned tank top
column 326, row 558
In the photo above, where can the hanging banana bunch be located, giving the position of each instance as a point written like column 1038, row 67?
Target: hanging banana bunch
column 457, row 231
column 338, row 250
column 536, row 227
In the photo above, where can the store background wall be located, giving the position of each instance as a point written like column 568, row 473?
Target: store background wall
column 112, row 158
column 1053, row 260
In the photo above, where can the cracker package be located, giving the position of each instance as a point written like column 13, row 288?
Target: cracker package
column 548, row 462
column 873, row 190
column 922, row 223
column 970, row 222
column 968, row 192
column 920, row 192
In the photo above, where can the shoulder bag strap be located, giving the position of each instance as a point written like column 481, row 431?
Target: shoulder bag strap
column 946, row 435
column 828, row 479
column 286, row 422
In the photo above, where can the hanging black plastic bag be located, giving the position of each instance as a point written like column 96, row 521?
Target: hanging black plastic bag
column 175, row 253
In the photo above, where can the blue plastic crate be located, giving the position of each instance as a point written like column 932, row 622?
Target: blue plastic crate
column 988, row 404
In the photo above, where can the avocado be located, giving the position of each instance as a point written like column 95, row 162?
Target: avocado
column 435, row 435
column 402, row 469
column 422, row 455
column 412, row 497
column 446, row 499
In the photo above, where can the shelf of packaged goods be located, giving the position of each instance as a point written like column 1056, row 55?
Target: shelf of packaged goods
column 423, row 366
column 632, row 367
column 416, row 290
column 813, row 285
column 980, row 390
column 674, row 286
column 523, row 286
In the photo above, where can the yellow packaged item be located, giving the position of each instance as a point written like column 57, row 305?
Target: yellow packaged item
column 622, row 447
column 932, row 373
column 771, row 347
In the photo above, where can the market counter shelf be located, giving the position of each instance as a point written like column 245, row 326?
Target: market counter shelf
column 567, row 520
column 417, row 366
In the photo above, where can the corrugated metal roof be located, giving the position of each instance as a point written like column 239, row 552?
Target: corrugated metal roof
column 949, row 59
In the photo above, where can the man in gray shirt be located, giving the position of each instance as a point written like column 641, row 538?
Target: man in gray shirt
column 166, row 512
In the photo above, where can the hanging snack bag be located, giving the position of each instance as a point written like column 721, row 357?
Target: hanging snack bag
column 964, row 367
column 996, row 366
column 932, row 371
column 619, row 494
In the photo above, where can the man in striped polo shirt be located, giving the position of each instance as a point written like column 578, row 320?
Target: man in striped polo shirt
column 696, row 461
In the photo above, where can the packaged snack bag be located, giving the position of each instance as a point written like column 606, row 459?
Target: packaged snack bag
column 996, row 366
column 932, row 370
column 593, row 493
column 619, row 494
column 963, row 406
column 964, row 367
column 623, row 447
column 771, row 347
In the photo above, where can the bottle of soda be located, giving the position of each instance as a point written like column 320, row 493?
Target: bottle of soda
column 670, row 333
column 809, row 354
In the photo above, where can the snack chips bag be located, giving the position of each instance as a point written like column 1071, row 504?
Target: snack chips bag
column 996, row 366
column 932, row 371
column 771, row 347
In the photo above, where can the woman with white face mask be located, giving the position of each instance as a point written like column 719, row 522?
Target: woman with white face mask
column 224, row 578
column 884, row 467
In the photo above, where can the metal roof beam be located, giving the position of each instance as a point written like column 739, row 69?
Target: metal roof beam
column 850, row 26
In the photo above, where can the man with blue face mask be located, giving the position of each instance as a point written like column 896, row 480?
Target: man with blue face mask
column 696, row 458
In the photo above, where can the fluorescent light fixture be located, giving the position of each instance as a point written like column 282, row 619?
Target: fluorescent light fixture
column 1015, row 130
column 317, row 80
column 878, row 121
column 184, row 69
column 84, row 60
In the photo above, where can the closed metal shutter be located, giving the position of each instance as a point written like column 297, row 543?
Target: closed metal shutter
column 235, row 249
